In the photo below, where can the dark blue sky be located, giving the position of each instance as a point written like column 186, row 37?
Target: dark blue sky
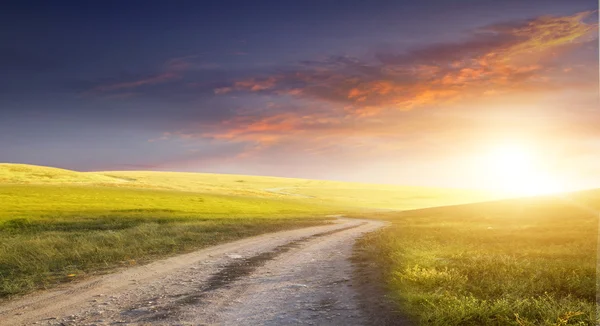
column 152, row 84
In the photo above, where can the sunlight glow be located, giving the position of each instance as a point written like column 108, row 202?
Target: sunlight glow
column 517, row 170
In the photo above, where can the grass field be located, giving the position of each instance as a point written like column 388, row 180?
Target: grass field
column 516, row 262
column 51, row 234
column 342, row 194
column 59, row 225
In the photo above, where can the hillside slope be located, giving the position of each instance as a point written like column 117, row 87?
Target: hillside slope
column 350, row 194
column 33, row 174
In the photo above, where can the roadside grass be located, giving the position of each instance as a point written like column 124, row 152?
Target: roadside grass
column 53, row 234
column 515, row 262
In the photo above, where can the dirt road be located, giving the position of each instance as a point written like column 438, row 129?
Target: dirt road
column 293, row 277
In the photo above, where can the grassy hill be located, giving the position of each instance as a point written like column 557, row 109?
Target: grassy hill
column 32, row 174
column 522, row 262
column 346, row 194
column 58, row 225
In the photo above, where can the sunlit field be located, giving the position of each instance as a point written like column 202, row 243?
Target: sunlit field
column 51, row 234
column 517, row 262
column 58, row 225
column 346, row 194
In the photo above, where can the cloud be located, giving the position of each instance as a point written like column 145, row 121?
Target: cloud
column 125, row 95
column 173, row 70
column 149, row 80
column 223, row 90
column 347, row 102
column 180, row 63
column 494, row 58
column 257, row 84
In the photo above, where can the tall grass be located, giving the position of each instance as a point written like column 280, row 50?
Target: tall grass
column 51, row 234
column 519, row 262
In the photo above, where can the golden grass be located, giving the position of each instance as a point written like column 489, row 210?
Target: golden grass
column 519, row 262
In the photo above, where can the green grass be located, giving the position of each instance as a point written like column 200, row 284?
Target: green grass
column 516, row 262
column 59, row 225
column 347, row 194
column 49, row 232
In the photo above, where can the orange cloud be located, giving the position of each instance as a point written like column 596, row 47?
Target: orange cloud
column 546, row 32
column 256, row 84
column 367, row 99
column 499, row 56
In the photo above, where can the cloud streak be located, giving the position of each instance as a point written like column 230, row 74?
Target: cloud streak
column 150, row 80
column 494, row 59
column 174, row 69
column 505, row 58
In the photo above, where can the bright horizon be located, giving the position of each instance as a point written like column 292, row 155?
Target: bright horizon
column 481, row 95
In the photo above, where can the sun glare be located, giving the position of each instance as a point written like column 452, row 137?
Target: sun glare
column 517, row 170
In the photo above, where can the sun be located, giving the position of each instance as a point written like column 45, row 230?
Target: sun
column 517, row 170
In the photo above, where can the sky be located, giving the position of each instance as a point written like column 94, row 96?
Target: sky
column 397, row 92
